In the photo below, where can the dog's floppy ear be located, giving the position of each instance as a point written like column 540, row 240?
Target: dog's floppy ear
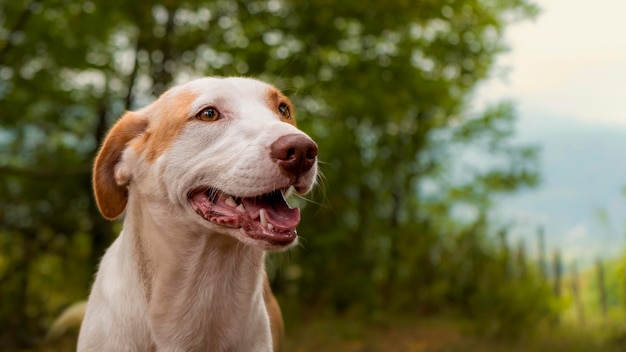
column 111, row 194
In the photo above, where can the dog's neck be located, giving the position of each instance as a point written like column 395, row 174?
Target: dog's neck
column 196, row 282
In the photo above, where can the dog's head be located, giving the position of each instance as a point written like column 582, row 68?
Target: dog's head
column 219, row 153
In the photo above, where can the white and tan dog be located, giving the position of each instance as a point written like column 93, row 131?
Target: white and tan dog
column 202, row 174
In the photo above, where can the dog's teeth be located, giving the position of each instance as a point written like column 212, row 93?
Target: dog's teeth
column 241, row 208
column 270, row 226
column 223, row 195
column 230, row 201
column 262, row 218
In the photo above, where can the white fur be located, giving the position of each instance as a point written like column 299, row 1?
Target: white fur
column 173, row 281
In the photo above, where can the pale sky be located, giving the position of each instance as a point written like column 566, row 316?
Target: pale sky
column 566, row 72
column 570, row 61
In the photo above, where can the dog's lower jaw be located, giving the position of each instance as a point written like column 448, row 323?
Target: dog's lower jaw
column 199, row 292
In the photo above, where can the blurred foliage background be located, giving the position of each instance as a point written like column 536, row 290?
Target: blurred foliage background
column 399, row 226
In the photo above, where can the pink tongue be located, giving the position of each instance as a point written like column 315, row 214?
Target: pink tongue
column 277, row 211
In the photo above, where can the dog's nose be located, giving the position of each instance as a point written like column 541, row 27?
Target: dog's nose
column 294, row 153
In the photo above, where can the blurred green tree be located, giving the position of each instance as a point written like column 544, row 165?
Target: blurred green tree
column 384, row 87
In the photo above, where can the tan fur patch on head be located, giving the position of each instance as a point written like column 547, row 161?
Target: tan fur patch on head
column 155, row 128
column 274, row 99
column 170, row 115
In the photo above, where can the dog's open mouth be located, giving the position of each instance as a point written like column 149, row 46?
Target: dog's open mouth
column 267, row 217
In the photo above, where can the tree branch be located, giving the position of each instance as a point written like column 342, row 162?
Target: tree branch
column 19, row 25
column 37, row 173
column 128, row 101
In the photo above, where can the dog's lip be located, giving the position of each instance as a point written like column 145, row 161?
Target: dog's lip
column 265, row 217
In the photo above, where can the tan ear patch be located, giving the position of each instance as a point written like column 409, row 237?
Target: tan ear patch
column 111, row 197
column 274, row 99
column 173, row 115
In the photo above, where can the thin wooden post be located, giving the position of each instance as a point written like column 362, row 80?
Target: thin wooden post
column 602, row 288
column 504, row 250
column 624, row 293
column 580, row 309
column 542, row 252
column 521, row 259
column 558, row 272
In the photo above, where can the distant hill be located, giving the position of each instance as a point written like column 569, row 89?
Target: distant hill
column 580, row 202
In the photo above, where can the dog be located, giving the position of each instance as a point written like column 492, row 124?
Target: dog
column 202, row 174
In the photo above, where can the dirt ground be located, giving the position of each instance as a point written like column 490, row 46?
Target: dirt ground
column 425, row 335
column 435, row 335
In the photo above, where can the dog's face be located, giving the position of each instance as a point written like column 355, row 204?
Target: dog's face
column 220, row 153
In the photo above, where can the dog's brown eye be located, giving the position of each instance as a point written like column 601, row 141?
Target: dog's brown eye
column 208, row 114
column 284, row 110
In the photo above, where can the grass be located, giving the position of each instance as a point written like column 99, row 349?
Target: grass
column 438, row 334
column 432, row 334
column 319, row 332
